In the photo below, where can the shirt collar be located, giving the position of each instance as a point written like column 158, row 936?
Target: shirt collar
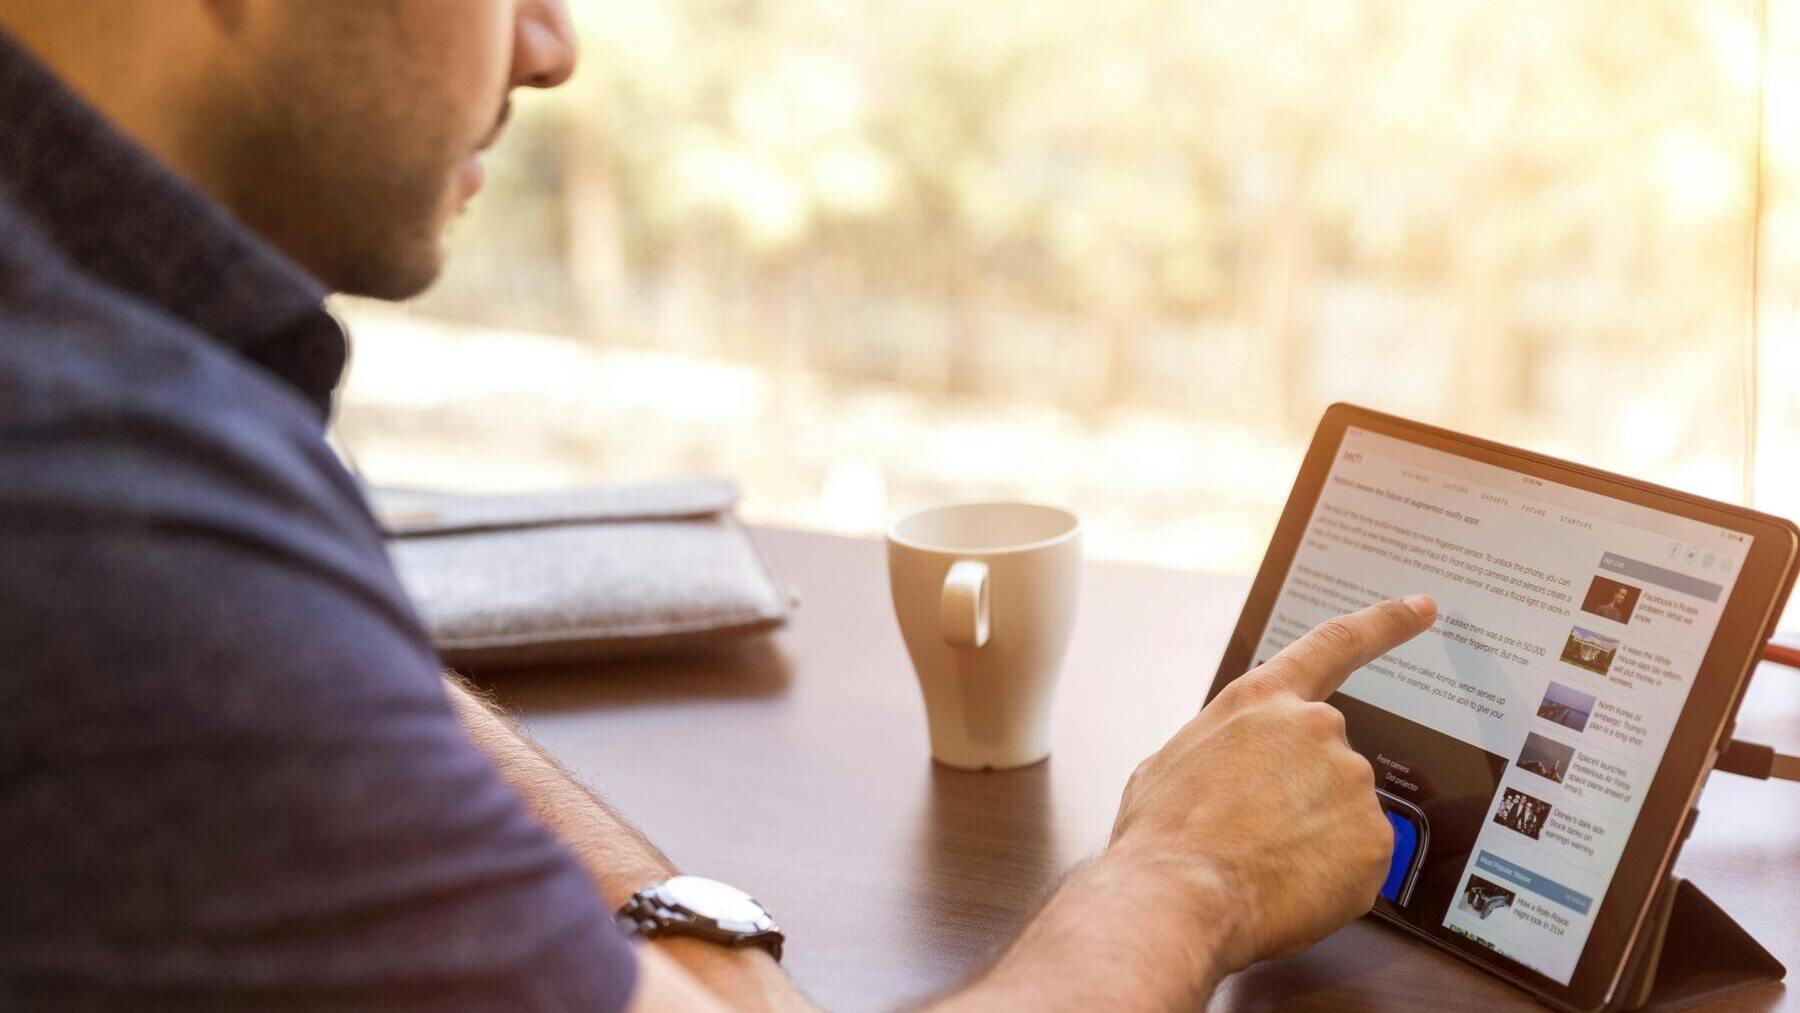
column 130, row 221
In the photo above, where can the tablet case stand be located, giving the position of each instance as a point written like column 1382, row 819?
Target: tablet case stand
column 1691, row 952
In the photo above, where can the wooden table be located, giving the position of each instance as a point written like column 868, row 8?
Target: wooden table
column 798, row 769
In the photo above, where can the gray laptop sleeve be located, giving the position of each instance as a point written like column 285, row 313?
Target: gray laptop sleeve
column 580, row 575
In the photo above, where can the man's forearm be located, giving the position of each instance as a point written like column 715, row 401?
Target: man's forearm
column 1119, row 934
column 1131, row 931
column 618, row 859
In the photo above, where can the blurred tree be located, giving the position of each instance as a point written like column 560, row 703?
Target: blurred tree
column 1453, row 207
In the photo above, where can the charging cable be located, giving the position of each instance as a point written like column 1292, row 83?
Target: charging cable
column 1781, row 654
column 1750, row 759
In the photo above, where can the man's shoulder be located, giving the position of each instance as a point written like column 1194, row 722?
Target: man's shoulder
column 110, row 406
column 74, row 343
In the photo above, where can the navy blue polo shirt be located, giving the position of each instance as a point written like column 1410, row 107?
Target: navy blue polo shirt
column 229, row 774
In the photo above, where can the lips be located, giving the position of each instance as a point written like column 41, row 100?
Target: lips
column 499, row 125
column 473, row 175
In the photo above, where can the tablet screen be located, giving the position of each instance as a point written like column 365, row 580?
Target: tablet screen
column 1516, row 740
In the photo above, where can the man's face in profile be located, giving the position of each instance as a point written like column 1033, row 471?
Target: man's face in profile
column 356, row 137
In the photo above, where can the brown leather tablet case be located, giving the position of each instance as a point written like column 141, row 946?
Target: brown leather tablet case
column 582, row 574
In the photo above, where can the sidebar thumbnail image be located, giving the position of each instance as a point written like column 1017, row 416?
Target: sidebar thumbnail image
column 1483, row 898
column 1570, row 708
column 1610, row 599
column 1590, row 650
column 1522, row 813
column 1547, row 758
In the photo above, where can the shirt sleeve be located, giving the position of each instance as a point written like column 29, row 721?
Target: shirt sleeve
column 230, row 777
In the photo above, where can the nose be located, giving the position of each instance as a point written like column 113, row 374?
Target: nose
column 544, row 48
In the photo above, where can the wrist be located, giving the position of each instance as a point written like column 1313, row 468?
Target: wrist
column 746, row 978
column 1186, row 896
column 1136, row 929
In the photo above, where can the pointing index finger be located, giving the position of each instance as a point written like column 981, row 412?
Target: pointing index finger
column 1318, row 663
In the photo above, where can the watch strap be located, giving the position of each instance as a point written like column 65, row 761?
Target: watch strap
column 646, row 917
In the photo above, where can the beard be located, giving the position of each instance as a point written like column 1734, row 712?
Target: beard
column 349, row 154
column 355, row 205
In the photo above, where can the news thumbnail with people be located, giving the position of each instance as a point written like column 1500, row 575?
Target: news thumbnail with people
column 1611, row 599
column 1522, row 813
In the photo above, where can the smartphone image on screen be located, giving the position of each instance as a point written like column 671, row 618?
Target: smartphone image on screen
column 1412, row 834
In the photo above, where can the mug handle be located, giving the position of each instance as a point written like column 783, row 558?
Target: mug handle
column 963, row 614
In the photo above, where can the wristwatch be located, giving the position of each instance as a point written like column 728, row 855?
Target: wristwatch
column 703, row 908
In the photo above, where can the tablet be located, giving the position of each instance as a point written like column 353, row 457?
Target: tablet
column 1540, row 749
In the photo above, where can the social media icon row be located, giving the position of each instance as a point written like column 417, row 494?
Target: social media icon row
column 1705, row 559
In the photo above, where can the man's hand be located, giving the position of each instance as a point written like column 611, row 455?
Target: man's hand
column 1253, row 832
column 1259, row 804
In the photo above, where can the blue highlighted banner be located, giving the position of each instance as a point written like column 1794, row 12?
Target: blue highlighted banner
column 1507, row 872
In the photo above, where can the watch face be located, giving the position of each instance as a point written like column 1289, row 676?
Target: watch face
column 712, row 899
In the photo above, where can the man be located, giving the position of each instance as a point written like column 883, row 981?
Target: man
column 233, row 776
column 1616, row 609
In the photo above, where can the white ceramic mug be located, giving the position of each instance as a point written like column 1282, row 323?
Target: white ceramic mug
column 985, row 594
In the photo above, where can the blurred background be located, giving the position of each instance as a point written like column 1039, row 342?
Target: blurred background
column 865, row 255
